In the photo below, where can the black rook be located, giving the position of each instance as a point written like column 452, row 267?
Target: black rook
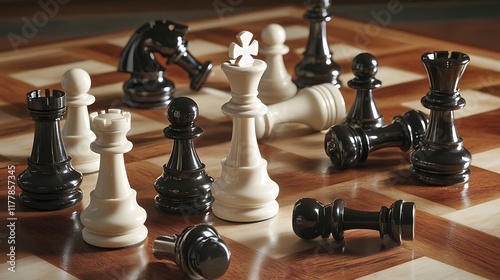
column 49, row 182
column 441, row 158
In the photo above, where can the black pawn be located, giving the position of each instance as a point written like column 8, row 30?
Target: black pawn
column 198, row 251
column 441, row 158
column 348, row 145
column 317, row 65
column 312, row 219
column 148, row 87
column 364, row 112
column 184, row 186
column 49, row 182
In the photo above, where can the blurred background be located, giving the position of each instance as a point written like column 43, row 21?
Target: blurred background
column 474, row 23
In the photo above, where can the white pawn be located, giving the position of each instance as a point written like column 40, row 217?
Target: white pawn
column 113, row 218
column 276, row 84
column 244, row 192
column 76, row 132
column 319, row 107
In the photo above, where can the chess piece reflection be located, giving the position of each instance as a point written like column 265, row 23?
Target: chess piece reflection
column 147, row 86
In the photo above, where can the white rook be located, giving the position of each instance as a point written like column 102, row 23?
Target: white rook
column 113, row 218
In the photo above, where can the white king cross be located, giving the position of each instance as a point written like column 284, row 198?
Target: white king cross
column 242, row 56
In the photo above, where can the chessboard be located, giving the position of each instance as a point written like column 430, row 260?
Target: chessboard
column 457, row 228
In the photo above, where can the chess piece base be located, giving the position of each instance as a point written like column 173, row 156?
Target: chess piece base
column 441, row 166
column 245, row 215
column 50, row 202
column 307, row 79
column 245, row 194
column 147, row 93
column 440, row 179
column 119, row 241
column 184, row 207
column 114, row 223
column 314, row 70
column 50, row 186
column 187, row 196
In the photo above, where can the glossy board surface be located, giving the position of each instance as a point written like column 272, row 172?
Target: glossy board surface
column 456, row 228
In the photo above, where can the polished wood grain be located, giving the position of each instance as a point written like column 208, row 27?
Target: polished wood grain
column 447, row 242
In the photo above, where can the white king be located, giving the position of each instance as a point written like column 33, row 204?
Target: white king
column 244, row 192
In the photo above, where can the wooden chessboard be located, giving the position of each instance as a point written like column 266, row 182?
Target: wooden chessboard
column 457, row 230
